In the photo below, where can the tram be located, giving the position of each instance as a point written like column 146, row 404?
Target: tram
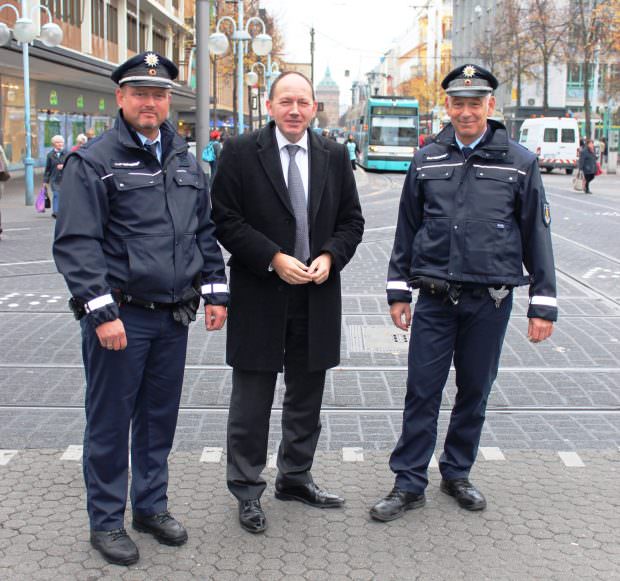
column 386, row 130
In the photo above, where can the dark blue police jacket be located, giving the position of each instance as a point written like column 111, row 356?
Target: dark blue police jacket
column 478, row 220
column 128, row 222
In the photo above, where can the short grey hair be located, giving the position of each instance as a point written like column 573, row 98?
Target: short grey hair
column 58, row 138
column 81, row 138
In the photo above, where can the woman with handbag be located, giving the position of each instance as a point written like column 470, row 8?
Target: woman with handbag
column 4, row 176
column 587, row 164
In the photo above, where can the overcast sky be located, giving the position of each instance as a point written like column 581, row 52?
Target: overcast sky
column 349, row 34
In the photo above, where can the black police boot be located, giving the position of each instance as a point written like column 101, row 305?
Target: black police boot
column 466, row 494
column 395, row 504
column 163, row 526
column 115, row 546
column 251, row 516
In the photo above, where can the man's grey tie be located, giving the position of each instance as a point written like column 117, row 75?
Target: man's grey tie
column 467, row 151
column 300, row 207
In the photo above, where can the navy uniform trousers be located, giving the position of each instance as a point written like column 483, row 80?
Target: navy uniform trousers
column 250, row 409
column 137, row 388
column 472, row 332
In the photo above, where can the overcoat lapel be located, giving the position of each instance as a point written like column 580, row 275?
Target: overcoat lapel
column 269, row 157
column 319, row 160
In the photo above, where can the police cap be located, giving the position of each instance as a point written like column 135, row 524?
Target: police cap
column 469, row 81
column 147, row 69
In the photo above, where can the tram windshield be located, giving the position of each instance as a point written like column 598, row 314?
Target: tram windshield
column 394, row 126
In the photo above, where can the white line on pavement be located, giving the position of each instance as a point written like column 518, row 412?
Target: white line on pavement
column 272, row 463
column 492, row 453
column 6, row 455
column 26, row 263
column 433, row 463
column 571, row 459
column 353, row 454
column 211, row 455
column 72, row 452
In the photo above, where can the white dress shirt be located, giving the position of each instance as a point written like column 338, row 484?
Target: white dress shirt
column 301, row 158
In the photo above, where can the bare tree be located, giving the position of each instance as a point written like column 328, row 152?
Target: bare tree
column 548, row 24
column 595, row 33
column 507, row 48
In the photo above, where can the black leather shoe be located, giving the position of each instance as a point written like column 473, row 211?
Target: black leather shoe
column 251, row 516
column 115, row 546
column 466, row 494
column 163, row 526
column 395, row 504
column 311, row 494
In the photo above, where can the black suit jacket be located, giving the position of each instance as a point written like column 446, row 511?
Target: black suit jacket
column 254, row 220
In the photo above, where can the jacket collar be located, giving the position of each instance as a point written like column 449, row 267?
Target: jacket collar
column 494, row 144
column 170, row 140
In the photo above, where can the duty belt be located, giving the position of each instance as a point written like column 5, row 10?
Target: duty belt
column 123, row 298
column 453, row 290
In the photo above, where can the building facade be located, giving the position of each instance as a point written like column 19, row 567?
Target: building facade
column 70, row 86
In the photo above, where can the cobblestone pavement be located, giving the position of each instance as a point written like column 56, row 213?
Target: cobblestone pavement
column 549, row 460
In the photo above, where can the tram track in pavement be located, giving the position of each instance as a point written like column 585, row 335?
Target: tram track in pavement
column 353, row 409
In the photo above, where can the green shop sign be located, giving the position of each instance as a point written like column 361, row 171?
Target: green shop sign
column 101, row 104
column 53, row 98
column 79, row 102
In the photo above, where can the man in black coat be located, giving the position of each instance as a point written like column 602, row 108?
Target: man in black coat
column 286, row 207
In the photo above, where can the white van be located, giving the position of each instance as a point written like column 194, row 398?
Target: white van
column 555, row 140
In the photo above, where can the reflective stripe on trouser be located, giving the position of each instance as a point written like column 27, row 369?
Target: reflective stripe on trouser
column 138, row 387
column 472, row 332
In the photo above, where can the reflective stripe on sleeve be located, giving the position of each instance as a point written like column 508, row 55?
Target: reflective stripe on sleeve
column 98, row 303
column 398, row 285
column 207, row 289
column 545, row 301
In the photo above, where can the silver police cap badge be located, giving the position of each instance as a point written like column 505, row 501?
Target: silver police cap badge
column 151, row 60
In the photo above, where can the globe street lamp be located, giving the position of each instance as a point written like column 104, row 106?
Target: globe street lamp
column 271, row 71
column 25, row 31
column 261, row 45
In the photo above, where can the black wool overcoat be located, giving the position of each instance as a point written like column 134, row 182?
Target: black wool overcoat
column 254, row 220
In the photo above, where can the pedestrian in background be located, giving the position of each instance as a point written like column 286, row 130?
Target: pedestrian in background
column 587, row 164
column 54, row 164
column 212, row 150
column 353, row 150
column 286, row 207
column 90, row 133
column 80, row 140
column 473, row 212
column 137, row 249
column 4, row 176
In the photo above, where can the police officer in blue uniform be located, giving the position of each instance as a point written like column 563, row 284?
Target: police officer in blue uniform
column 136, row 245
column 472, row 213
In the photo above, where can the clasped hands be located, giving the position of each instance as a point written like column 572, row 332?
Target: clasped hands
column 292, row 271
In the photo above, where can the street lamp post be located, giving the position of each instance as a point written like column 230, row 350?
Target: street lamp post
column 25, row 31
column 261, row 45
column 271, row 71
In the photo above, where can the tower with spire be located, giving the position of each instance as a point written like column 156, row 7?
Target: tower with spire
column 328, row 93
